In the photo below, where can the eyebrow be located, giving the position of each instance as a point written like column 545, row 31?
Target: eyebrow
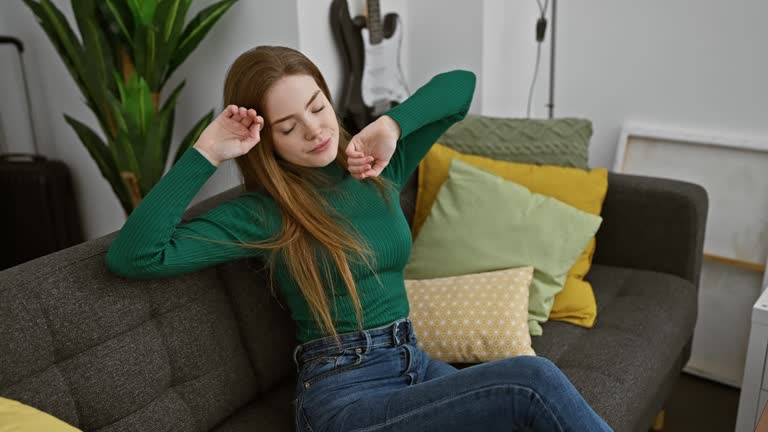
column 314, row 95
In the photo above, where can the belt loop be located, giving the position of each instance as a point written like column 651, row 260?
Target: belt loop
column 394, row 332
column 367, row 342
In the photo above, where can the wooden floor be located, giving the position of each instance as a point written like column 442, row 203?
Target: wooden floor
column 701, row 405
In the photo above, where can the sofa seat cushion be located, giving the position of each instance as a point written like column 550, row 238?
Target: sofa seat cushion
column 644, row 320
column 272, row 411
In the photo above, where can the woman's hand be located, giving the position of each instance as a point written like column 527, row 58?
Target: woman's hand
column 369, row 152
column 232, row 133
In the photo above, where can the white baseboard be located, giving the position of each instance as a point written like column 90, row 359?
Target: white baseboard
column 712, row 376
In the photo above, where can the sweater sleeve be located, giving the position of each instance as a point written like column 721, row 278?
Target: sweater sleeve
column 152, row 244
column 425, row 116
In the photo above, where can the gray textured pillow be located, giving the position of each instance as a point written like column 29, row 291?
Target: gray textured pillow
column 563, row 141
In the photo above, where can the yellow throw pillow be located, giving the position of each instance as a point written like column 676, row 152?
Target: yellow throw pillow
column 583, row 189
column 472, row 318
column 17, row 417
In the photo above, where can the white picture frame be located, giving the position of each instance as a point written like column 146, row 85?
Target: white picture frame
column 737, row 226
column 734, row 171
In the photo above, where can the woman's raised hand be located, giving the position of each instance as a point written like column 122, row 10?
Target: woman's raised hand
column 232, row 133
column 369, row 152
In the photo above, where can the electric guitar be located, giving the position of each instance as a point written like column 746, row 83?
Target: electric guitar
column 370, row 50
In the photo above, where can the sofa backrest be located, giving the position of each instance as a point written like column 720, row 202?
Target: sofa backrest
column 103, row 352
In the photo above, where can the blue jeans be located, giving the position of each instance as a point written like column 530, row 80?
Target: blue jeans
column 379, row 380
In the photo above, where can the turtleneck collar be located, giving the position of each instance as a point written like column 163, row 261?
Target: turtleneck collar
column 333, row 169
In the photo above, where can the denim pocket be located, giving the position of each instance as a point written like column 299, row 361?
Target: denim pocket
column 318, row 369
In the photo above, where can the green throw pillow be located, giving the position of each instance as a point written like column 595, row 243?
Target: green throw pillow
column 562, row 141
column 482, row 222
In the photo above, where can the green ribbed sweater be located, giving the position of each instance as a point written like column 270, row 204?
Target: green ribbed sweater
column 153, row 244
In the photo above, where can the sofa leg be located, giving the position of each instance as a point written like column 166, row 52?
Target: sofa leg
column 658, row 424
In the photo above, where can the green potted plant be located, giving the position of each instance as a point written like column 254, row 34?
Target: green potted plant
column 127, row 51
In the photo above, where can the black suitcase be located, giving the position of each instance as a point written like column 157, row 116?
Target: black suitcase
column 40, row 216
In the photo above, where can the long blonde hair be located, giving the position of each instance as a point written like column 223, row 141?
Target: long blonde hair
column 308, row 225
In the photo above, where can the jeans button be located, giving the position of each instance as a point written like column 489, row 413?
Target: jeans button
column 359, row 350
column 306, row 385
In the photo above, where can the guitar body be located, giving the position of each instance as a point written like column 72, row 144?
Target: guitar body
column 383, row 83
column 373, row 83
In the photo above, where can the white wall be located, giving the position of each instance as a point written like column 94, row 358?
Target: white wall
column 688, row 63
column 509, row 58
column 444, row 35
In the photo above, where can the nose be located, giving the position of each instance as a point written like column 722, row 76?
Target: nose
column 312, row 129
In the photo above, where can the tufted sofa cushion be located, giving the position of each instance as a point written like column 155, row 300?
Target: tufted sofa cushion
column 644, row 318
column 107, row 353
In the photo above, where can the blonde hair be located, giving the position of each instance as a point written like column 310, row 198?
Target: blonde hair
column 308, row 223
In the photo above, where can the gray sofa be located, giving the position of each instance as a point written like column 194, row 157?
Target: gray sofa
column 211, row 350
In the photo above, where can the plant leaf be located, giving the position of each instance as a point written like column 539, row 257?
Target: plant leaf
column 123, row 19
column 101, row 155
column 97, row 58
column 143, row 10
column 122, row 146
column 158, row 139
column 137, row 105
column 120, row 86
column 150, row 65
column 169, row 20
column 170, row 105
column 61, row 36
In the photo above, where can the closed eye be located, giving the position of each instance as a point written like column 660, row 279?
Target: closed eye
column 294, row 127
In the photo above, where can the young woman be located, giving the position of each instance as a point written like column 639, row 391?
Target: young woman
column 322, row 209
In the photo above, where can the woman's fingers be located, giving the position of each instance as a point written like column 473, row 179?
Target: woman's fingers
column 376, row 169
column 256, row 118
column 245, row 120
column 359, row 169
column 254, row 130
column 358, row 166
column 354, row 148
column 243, row 115
column 359, row 160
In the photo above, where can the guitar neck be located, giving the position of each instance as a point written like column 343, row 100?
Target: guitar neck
column 375, row 27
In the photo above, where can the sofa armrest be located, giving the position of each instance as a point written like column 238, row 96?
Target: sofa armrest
column 653, row 224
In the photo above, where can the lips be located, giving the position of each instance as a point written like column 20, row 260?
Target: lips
column 322, row 145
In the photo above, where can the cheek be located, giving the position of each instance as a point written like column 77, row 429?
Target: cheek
column 330, row 118
column 278, row 145
column 287, row 146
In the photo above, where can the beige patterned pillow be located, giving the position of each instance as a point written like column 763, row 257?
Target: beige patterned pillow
column 472, row 318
